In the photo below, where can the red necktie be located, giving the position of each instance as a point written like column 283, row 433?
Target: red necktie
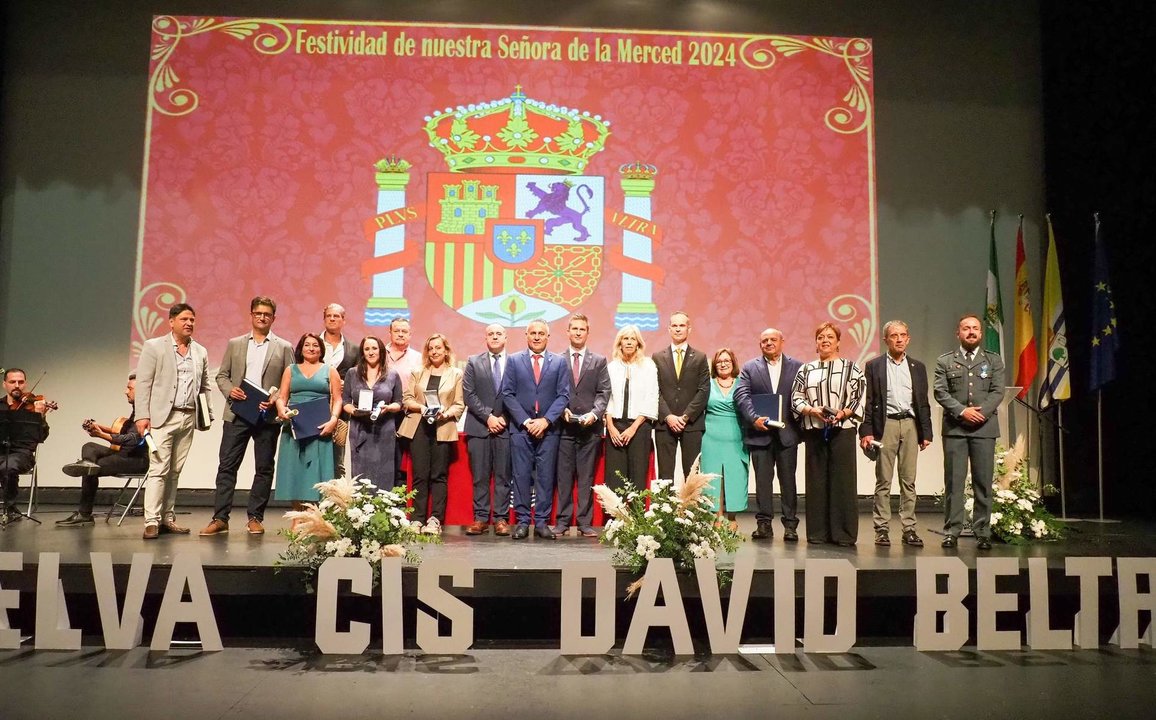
column 574, row 367
column 537, row 377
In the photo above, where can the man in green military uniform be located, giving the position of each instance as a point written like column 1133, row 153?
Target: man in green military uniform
column 969, row 386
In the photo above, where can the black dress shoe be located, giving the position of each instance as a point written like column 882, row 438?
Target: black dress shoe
column 790, row 535
column 949, row 542
column 544, row 532
column 76, row 520
column 521, row 532
column 763, row 531
column 983, row 544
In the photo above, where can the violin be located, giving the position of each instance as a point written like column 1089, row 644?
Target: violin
column 116, row 428
column 28, row 400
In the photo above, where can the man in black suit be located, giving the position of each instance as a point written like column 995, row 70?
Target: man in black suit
column 773, row 449
column 581, row 430
column 487, row 434
column 898, row 419
column 683, row 389
column 339, row 354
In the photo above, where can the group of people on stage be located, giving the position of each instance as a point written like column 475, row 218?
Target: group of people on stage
column 536, row 422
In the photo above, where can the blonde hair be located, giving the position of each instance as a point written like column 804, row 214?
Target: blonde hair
column 633, row 331
column 425, row 350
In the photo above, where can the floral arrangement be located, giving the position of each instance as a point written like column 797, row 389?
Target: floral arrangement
column 1018, row 515
column 353, row 519
column 665, row 522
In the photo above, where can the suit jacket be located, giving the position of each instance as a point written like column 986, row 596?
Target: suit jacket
column 960, row 384
column 755, row 379
column 876, row 416
column 449, row 395
column 348, row 360
column 156, row 377
column 278, row 356
column 481, row 396
column 592, row 391
column 685, row 395
column 520, row 394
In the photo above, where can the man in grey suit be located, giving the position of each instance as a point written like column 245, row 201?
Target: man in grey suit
column 969, row 386
column 487, row 434
column 581, row 430
column 260, row 357
column 172, row 371
column 683, row 389
column 773, row 449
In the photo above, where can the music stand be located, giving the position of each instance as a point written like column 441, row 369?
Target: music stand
column 20, row 427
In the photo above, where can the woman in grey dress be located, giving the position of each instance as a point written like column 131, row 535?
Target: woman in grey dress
column 372, row 399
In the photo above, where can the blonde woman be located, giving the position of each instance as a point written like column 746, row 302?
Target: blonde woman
column 433, row 433
column 631, row 412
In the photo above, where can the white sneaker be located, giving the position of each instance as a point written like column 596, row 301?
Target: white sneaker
column 433, row 526
column 415, row 525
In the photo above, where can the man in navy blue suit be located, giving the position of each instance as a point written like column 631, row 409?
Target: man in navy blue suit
column 535, row 392
column 772, row 449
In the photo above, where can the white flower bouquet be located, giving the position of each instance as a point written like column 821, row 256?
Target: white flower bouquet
column 663, row 522
column 353, row 519
column 1018, row 514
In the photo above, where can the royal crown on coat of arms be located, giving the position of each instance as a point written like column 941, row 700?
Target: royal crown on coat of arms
column 516, row 229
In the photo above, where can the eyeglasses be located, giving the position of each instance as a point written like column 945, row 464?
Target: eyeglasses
column 261, row 314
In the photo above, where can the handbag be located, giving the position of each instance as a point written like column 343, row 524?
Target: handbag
column 341, row 432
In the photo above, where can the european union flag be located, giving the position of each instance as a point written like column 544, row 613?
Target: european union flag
column 1105, row 340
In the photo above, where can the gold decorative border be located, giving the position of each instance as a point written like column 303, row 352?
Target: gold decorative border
column 166, row 95
column 150, row 308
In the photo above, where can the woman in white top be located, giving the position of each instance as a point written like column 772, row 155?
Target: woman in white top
column 828, row 398
column 630, row 414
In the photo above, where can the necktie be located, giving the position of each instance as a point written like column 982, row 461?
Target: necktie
column 574, row 366
column 678, row 363
column 537, row 369
column 497, row 370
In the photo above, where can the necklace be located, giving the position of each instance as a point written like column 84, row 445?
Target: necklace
column 724, row 387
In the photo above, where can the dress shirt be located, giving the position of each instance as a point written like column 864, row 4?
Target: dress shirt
column 775, row 369
column 581, row 359
column 334, row 354
column 184, row 398
column 899, row 391
column 255, row 359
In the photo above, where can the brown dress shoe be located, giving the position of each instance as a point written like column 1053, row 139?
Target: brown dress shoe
column 477, row 528
column 150, row 532
column 255, row 527
column 216, row 526
column 170, row 526
column 502, row 528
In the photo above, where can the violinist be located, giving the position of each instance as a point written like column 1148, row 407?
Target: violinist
column 22, row 428
column 125, row 454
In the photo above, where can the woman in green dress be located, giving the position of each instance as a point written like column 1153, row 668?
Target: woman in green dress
column 301, row 465
column 722, row 443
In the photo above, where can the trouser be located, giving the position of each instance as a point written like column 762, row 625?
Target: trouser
column 628, row 468
column 831, row 512
column 490, row 457
column 900, row 449
column 111, row 463
column 665, row 444
column 235, row 436
column 431, row 462
column 770, row 460
column 173, row 438
column 13, row 464
column 957, row 451
column 577, row 460
column 535, row 463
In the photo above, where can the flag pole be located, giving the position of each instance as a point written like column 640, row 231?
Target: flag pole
column 1100, row 446
column 1060, row 460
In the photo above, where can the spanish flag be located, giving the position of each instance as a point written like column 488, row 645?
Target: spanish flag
column 1027, row 357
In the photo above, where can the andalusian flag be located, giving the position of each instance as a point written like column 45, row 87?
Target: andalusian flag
column 1027, row 359
column 1056, row 386
column 993, row 312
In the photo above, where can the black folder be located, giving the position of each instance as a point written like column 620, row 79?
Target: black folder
column 309, row 416
column 249, row 409
column 769, row 405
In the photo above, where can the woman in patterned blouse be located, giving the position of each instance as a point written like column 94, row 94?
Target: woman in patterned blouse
column 828, row 398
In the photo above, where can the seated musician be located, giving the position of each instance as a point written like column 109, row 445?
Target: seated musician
column 126, row 455
column 22, row 428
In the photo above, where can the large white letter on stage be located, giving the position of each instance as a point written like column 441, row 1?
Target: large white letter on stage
column 1132, row 601
column 725, row 635
column 187, row 571
column 659, row 575
column 9, row 600
column 392, row 641
column 989, row 603
column 1086, row 632
column 53, row 630
column 1041, row 636
column 461, row 616
column 815, row 574
column 784, row 606
column 122, row 631
column 929, row 603
column 573, row 641
column 329, row 640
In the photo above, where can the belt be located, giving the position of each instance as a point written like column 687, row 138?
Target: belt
column 899, row 416
column 184, row 410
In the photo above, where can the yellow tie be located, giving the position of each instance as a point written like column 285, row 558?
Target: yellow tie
column 678, row 363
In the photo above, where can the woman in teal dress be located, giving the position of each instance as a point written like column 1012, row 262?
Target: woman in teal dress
column 722, row 442
column 301, row 465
